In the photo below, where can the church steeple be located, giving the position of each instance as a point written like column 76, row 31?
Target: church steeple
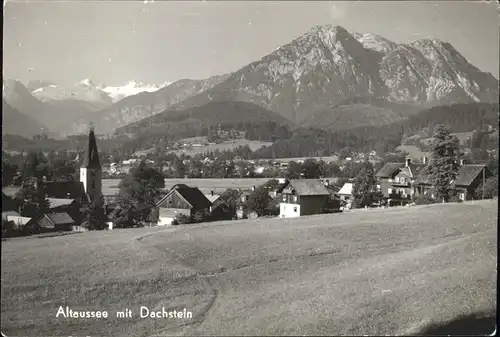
column 91, row 171
column 91, row 158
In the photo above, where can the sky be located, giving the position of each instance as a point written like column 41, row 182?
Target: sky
column 113, row 42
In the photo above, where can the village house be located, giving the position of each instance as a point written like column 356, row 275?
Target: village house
column 7, row 214
column 397, row 180
column 219, row 210
column 52, row 222
column 70, row 206
column 19, row 222
column 181, row 199
column 469, row 178
column 345, row 192
column 303, row 197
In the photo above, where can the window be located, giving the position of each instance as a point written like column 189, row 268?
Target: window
column 93, row 184
column 295, row 209
column 396, row 179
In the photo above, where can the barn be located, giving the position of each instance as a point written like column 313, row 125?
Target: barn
column 181, row 199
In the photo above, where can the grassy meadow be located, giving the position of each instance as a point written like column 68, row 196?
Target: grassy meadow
column 218, row 185
column 365, row 272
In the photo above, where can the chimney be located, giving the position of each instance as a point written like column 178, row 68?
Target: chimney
column 212, row 193
column 408, row 162
column 327, row 182
column 424, row 160
column 461, row 162
column 253, row 188
column 68, row 195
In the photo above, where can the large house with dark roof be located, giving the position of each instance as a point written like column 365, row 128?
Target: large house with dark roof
column 57, row 221
column 181, row 199
column 397, row 180
column 303, row 197
column 468, row 179
column 68, row 190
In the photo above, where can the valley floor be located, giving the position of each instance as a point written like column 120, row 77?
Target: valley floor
column 359, row 273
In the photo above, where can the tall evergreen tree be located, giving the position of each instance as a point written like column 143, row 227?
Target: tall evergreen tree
column 365, row 191
column 95, row 216
column 443, row 166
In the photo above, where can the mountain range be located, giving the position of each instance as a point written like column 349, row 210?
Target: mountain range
column 17, row 123
column 326, row 78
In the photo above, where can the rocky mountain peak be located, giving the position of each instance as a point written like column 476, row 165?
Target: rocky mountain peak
column 86, row 82
column 375, row 42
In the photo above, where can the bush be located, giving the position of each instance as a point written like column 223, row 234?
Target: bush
column 455, row 198
column 201, row 216
column 182, row 219
column 424, row 200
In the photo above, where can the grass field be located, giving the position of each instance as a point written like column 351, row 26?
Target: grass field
column 367, row 272
column 110, row 186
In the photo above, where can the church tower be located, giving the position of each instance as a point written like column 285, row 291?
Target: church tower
column 91, row 171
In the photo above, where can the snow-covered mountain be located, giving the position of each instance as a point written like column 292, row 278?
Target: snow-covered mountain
column 142, row 105
column 130, row 88
column 375, row 42
column 84, row 90
column 54, row 114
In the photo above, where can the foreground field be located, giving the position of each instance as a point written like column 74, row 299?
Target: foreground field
column 375, row 272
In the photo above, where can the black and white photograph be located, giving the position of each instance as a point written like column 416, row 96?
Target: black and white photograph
column 249, row 168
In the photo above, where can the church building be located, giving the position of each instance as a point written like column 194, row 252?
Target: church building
column 91, row 170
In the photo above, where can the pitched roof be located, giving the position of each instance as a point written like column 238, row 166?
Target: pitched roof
column 332, row 188
column 10, row 191
column 389, row 169
column 61, row 189
column 212, row 198
column 192, row 195
column 346, row 189
column 416, row 169
column 91, row 157
column 57, row 202
column 405, row 170
column 19, row 220
column 5, row 214
column 61, row 218
column 306, row 187
column 467, row 174
column 179, row 186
